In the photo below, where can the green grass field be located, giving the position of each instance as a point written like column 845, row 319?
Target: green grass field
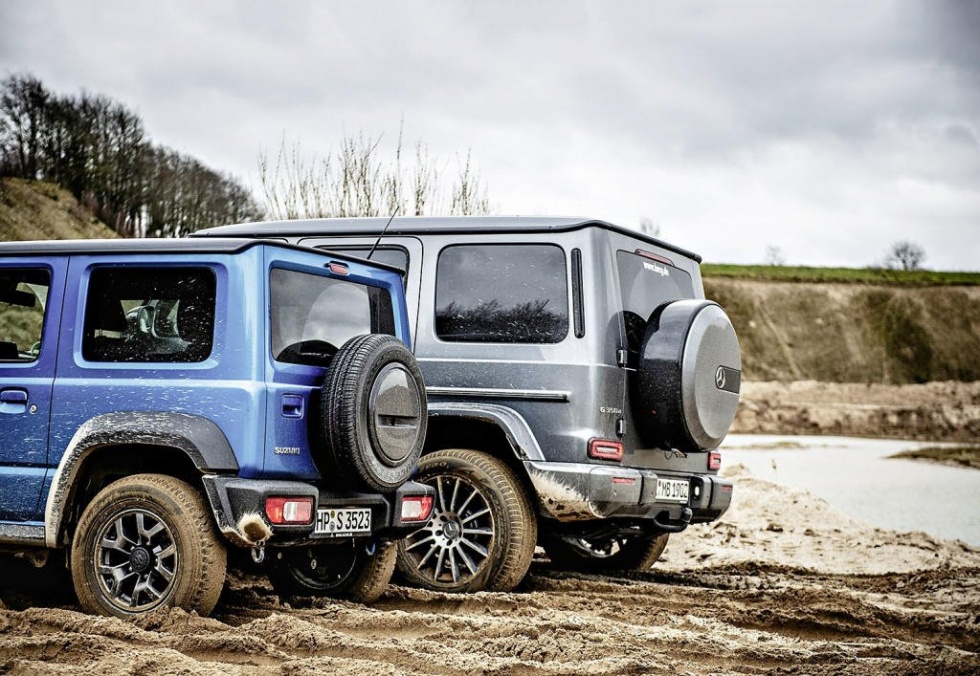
column 776, row 273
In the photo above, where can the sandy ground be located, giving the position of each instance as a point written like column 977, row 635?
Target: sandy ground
column 782, row 583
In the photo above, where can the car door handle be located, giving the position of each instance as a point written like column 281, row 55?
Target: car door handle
column 13, row 397
column 292, row 406
column 13, row 401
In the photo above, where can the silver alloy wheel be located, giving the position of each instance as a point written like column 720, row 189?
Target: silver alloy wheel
column 136, row 560
column 457, row 543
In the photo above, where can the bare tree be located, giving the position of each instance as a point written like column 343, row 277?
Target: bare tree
column 905, row 255
column 774, row 256
column 358, row 180
column 23, row 113
column 648, row 227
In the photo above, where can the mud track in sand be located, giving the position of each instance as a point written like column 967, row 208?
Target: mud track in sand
column 783, row 583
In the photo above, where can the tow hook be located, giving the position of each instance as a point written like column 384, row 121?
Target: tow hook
column 258, row 554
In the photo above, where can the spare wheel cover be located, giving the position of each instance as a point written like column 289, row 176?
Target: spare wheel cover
column 396, row 413
column 689, row 376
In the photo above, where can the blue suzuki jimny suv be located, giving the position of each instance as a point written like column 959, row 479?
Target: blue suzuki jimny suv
column 166, row 402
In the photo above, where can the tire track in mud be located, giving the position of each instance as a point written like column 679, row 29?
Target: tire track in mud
column 735, row 619
column 760, row 600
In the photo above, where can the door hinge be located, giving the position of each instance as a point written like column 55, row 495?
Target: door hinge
column 622, row 357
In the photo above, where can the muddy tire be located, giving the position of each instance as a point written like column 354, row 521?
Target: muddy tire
column 605, row 555
column 144, row 542
column 483, row 529
column 340, row 570
column 373, row 414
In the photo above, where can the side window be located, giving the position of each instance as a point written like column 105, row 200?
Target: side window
column 313, row 315
column 149, row 315
column 23, row 297
column 502, row 294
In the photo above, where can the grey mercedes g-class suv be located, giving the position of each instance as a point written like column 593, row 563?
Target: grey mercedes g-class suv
column 579, row 386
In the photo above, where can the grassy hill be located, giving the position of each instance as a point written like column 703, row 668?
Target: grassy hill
column 37, row 210
column 877, row 276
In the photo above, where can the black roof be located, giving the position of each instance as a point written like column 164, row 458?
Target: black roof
column 416, row 225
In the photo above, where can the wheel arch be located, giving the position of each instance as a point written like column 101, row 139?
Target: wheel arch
column 114, row 445
column 495, row 430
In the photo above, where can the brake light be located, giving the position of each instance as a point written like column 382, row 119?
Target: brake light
column 714, row 460
column 654, row 257
column 606, row 449
column 416, row 508
column 338, row 268
column 289, row 510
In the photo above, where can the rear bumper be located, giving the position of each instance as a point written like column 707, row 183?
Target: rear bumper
column 580, row 492
column 239, row 510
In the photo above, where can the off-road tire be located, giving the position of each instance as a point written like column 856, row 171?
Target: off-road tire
column 171, row 514
column 354, row 575
column 511, row 520
column 350, row 426
column 637, row 553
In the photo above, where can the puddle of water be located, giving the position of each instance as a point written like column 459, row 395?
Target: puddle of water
column 857, row 477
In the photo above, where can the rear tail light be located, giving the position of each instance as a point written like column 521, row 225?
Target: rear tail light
column 416, row 508
column 714, row 460
column 289, row 510
column 606, row 449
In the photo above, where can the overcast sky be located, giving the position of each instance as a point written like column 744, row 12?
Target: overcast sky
column 827, row 129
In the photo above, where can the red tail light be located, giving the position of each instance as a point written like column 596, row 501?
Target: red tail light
column 714, row 460
column 416, row 508
column 289, row 510
column 606, row 449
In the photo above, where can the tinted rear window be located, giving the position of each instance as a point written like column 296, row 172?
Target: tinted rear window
column 312, row 315
column 502, row 294
column 645, row 285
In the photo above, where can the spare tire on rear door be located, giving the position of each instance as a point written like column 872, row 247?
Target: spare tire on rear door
column 689, row 374
column 373, row 415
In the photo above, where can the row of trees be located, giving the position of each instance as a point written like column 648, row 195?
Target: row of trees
column 99, row 150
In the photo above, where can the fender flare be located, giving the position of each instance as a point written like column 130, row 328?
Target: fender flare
column 522, row 440
column 198, row 438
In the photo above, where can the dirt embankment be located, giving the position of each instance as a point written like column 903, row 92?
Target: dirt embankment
column 941, row 411
column 782, row 583
column 853, row 333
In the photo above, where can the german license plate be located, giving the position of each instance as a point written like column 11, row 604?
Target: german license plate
column 672, row 490
column 342, row 521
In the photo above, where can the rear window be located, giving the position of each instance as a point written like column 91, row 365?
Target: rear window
column 645, row 285
column 502, row 294
column 313, row 315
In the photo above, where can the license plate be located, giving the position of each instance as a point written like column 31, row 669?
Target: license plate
column 672, row 490
column 342, row 521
